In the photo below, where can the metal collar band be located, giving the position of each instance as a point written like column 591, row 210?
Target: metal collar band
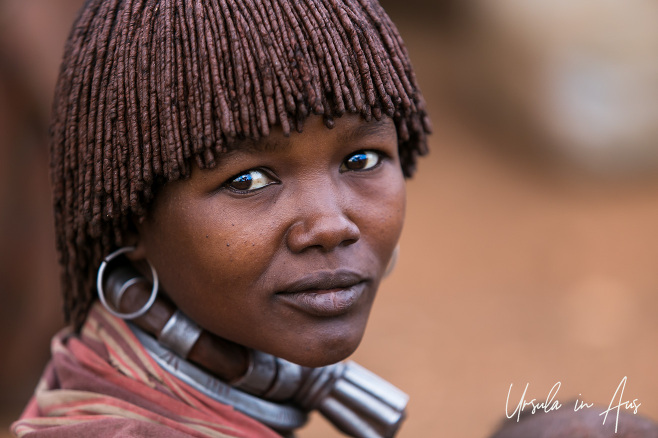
column 278, row 416
column 279, row 393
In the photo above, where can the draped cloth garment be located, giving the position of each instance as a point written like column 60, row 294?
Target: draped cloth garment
column 102, row 383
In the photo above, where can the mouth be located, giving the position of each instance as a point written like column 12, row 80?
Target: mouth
column 325, row 293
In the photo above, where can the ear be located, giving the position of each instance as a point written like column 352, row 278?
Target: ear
column 131, row 237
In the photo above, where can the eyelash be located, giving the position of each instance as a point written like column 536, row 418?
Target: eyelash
column 369, row 154
column 264, row 174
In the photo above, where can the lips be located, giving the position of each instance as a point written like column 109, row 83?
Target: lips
column 324, row 293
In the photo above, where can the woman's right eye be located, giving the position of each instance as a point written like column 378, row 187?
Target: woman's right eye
column 249, row 181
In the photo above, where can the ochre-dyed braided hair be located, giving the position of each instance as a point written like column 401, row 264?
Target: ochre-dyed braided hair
column 147, row 87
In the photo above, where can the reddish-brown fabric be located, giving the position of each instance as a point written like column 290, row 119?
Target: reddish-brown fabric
column 103, row 383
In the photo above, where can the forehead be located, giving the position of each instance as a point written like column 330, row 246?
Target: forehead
column 348, row 128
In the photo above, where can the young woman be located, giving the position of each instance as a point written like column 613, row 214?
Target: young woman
column 229, row 176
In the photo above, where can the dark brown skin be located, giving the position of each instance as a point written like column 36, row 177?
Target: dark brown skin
column 290, row 262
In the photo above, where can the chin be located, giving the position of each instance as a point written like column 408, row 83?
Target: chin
column 323, row 350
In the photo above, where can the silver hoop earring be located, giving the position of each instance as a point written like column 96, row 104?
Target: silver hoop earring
column 101, row 293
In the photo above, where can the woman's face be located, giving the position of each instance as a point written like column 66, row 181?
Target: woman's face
column 282, row 246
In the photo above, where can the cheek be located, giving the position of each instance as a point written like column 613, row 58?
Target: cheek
column 398, row 205
column 396, row 215
column 383, row 213
column 206, row 252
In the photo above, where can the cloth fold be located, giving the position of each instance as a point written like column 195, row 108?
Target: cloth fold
column 102, row 383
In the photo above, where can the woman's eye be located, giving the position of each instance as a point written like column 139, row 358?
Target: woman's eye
column 362, row 160
column 250, row 180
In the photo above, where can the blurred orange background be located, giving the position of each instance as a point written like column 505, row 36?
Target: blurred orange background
column 530, row 244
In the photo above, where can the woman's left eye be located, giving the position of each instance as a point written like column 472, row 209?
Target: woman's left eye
column 248, row 181
column 362, row 160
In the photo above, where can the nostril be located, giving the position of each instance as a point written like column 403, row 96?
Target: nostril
column 349, row 242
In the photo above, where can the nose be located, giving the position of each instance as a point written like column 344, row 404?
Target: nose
column 322, row 222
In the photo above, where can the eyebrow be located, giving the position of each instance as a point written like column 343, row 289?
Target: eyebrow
column 372, row 128
column 261, row 145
